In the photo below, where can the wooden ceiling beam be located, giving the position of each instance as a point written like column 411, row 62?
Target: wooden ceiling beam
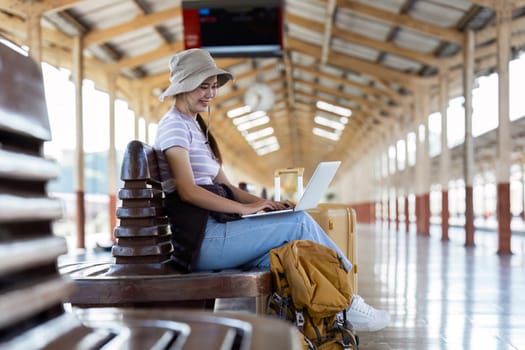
column 350, row 63
column 356, row 113
column 327, row 32
column 25, row 8
column 404, row 21
column 316, row 26
column 346, row 97
column 488, row 34
column 409, row 81
column 366, row 89
column 493, row 4
column 16, row 26
column 104, row 35
column 388, row 47
column 163, row 51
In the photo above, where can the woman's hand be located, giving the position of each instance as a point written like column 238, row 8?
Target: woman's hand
column 265, row 205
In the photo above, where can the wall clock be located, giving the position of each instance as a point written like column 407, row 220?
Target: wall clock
column 259, row 97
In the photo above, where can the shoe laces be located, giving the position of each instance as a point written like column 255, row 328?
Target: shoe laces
column 359, row 305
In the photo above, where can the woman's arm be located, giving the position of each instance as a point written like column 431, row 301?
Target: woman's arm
column 246, row 197
column 240, row 195
column 180, row 166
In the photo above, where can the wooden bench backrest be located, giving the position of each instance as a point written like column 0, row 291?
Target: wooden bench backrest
column 143, row 236
column 32, row 290
column 140, row 163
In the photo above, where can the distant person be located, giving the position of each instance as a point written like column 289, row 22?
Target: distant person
column 243, row 186
column 205, row 208
column 264, row 194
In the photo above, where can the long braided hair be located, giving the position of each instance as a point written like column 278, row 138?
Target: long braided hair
column 209, row 137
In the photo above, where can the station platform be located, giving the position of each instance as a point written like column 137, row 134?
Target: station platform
column 440, row 295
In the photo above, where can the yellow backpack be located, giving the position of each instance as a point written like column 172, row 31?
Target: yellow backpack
column 311, row 289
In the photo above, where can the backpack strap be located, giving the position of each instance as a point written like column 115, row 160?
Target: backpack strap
column 348, row 341
column 299, row 320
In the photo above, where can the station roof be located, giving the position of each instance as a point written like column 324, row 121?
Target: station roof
column 376, row 58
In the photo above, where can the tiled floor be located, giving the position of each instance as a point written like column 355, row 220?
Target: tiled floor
column 440, row 295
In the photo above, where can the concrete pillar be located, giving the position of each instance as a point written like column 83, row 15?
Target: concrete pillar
column 468, row 155
column 444, row 165
column 503, row 29
column 78, row 77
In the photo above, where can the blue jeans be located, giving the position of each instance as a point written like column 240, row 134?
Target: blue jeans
column 247, row 242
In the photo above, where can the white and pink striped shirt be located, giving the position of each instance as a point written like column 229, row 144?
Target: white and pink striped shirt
column 178, row 130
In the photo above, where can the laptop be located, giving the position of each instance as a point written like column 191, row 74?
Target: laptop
column 316, row 187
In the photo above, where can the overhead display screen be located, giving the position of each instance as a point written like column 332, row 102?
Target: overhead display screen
column 232, row 29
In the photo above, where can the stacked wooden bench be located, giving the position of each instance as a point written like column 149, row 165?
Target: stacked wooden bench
column 32, row 314
column 141, row 274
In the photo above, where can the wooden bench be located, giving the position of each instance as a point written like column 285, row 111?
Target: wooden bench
column 32, row 314
column 141, row 274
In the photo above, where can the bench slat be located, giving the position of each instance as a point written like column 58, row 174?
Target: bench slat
column 85, row 268
column 160, row 248
column 21, row 254
column 26, row 167
column 164, row 289
column 58, row 333
column 138, row 212
column 159, row 230
column 31, row 208
column 135, row 193
column 144, row 222
column 139, row 163
column 24, row 302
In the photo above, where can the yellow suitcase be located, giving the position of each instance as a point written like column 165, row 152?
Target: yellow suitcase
column 339, row 222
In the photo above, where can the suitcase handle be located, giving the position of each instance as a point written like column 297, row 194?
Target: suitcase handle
column 277, row 181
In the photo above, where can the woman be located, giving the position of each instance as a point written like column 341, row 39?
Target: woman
column 204, row 207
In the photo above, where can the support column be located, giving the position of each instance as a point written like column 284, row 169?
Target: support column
column 370, row 192
column 396, row 178
column 418, row 165
column 444, row 165
column 523, row 191
column 408, row 184
column 112, row 157
column 379, row 191
column 422, row 166
column 407, row 214
column 468, row 155
column 385, row 198
column 388, row 180
column 425, row 110
column 136, row 135
column 503, row 29
column 78, row 77
column 34, row 35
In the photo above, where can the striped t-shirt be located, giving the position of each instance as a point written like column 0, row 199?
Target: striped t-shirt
column 177, row 129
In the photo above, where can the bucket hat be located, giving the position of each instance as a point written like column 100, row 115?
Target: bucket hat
column 189, row 68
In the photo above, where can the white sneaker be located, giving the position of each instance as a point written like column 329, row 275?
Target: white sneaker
column 364, row 317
